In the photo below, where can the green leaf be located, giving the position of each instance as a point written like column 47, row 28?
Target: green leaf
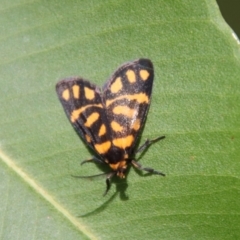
column 195, row 104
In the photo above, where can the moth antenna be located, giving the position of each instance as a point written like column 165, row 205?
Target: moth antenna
column 92, row 176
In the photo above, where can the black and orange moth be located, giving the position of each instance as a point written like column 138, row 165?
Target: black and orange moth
column 109, row 119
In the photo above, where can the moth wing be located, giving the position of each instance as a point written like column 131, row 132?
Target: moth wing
column 127, row 98
column 82, row 103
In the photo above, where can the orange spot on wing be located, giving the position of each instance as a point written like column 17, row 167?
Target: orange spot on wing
column 88, row 139
column 131, row 76
column 89, row 93
column 117, row 85
column 116, row 126
column 66, row 94
column 102, row 147
column 144, row 74
column 92, row 119
column 123, row 142
column 76, row 91
column 125, row 110
column 136, row 124
column 102, row 130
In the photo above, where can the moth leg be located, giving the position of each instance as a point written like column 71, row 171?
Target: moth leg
column 108, row 183
column 94, row 159
column 150, row 170
column 148, row 143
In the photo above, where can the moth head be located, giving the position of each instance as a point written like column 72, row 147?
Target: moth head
column 119, row 168
column 121, row 171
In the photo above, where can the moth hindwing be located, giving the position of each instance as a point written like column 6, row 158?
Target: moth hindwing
column 109, row 119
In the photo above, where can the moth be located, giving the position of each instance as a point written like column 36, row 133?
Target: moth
column 110, row 119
